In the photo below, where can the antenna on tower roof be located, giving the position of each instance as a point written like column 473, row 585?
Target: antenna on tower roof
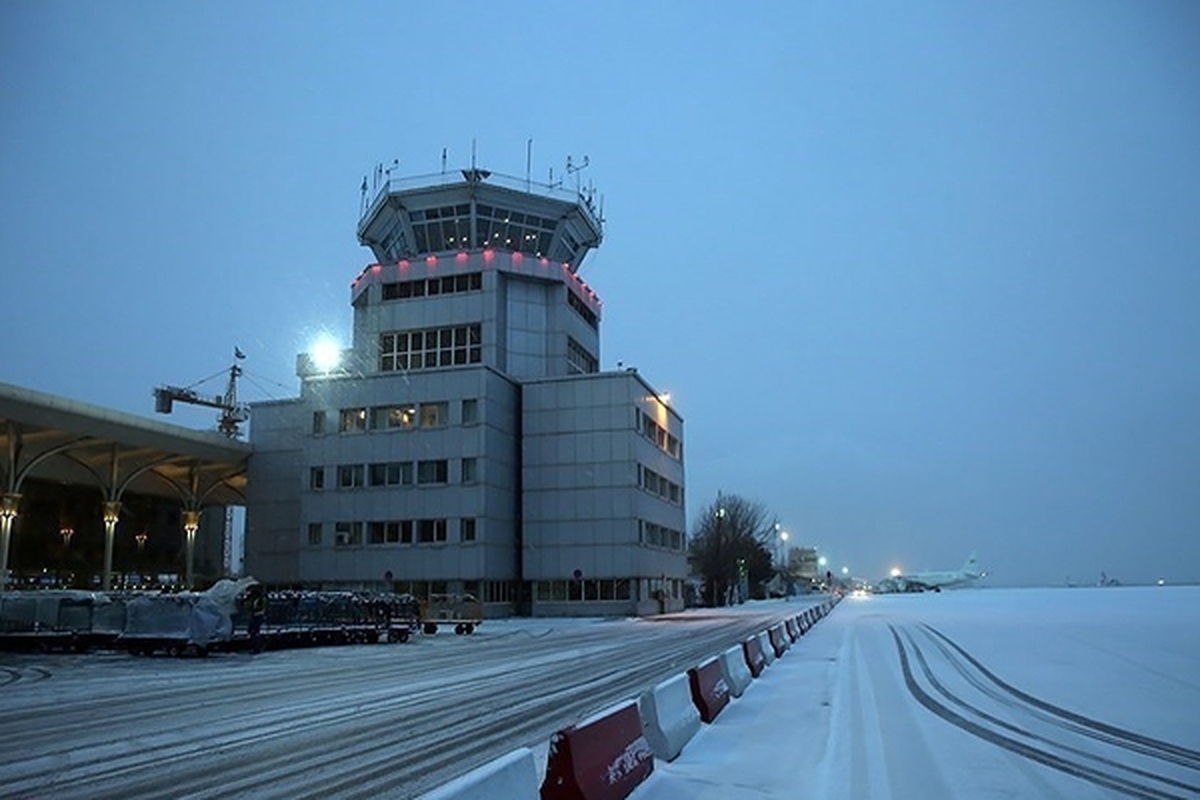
column 443, row 161
column 528, row 164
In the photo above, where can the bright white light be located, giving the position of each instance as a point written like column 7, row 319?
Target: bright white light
column 783, row 535
column 845, row 570
column 326, row 354
column 896, row 573
column 822, row 561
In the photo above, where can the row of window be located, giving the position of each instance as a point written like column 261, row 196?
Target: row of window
column 402, row 531
column 590, row 589
column 429, row 348
column 395, row 473
column 579, row 360
column 486, row 591
column 657, row 484
column 400, row 416
column 449, row 228
column 429, row 287
column 660, row 436
column 654, row 535
column 581, row 308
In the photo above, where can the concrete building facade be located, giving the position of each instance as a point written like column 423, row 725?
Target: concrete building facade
column 467, row 440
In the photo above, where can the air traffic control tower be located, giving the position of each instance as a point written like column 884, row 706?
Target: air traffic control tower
column 467, row 440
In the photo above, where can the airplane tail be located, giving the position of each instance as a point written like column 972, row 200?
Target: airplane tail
column 972, row 565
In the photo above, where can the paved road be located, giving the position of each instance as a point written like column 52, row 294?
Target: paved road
column 361, row 721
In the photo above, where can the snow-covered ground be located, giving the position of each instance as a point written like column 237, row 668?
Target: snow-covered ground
column 1008, row 693
column 1058, row 693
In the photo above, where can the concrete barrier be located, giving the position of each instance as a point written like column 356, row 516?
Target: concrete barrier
column 756, row 660
column 793, row 631
column 511, row 776
column 778, row 639
column 735, row 670
column 710, row 690
column 602, row 758
column 764, row 641
column 669, row 717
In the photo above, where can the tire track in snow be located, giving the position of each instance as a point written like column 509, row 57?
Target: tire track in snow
column 1016, row 736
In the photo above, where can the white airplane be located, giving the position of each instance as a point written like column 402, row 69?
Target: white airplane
column 933, row 581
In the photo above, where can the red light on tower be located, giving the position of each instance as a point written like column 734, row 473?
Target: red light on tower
column 488, row 255
column 461, row 258
column 403, row 264
column 517, row 257
column 431, row 261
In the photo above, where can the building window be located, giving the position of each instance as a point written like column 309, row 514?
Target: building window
column 315, row 533
column 434, row 471
column 429, row 348
column 656, row 433
column 316, row 478
column 466, row 530
column 513, row 230
column 654, row 483
column 406, row 531
column 450, row 284
column 318, row 423
column 434, row 415
column 470, row 470
column 470, row 411
column 390, row 473
column 350, row 476
column 579, row 360
column 399, row 417
column 352, row 420
column 582, row 310
column 431, row 530
column 347, row 534
column 375, row 532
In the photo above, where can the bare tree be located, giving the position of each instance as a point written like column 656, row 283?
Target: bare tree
column 728, row 549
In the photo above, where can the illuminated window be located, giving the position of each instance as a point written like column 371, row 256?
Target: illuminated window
column 352, row 420
column 398, row 417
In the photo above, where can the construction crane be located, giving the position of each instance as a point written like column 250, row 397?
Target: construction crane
column 232, row 415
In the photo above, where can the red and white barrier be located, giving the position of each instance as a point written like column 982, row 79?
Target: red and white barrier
column 602, row 758
column 779, row 640
column 756, row 660
column 512, row 776
column 669, row 717
column 710, row 690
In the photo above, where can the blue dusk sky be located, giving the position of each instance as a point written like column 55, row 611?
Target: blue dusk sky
column 922, row 278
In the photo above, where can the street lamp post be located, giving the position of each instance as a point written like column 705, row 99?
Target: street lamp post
column 191, row 524
column 112, row 513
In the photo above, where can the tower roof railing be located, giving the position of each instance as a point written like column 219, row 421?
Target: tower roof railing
column 554, row 191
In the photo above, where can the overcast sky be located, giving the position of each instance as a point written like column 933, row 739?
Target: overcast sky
column 922, row 278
